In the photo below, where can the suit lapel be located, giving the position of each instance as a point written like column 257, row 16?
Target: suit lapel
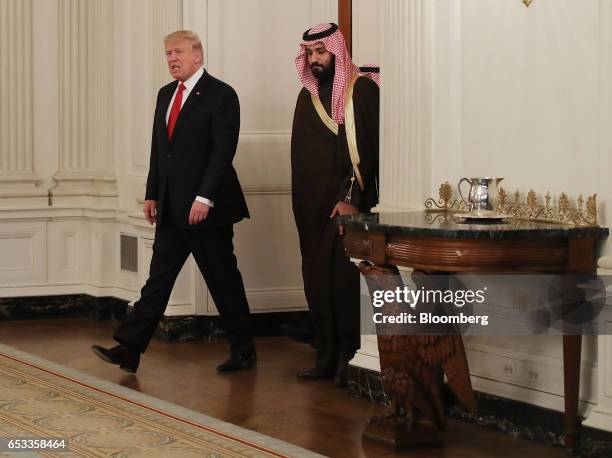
column 194, row 97
column 160, row 122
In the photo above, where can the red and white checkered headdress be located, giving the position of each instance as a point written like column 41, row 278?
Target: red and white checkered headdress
column 345, row 69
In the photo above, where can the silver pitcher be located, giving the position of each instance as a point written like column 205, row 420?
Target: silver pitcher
column 483, row 196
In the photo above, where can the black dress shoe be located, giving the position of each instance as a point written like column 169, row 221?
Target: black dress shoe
column 316, row 373
column 121, row 355
column 238, row 363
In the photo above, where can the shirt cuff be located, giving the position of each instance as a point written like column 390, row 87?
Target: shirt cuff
column 206, row 201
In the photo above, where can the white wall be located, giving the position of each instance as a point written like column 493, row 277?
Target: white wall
column 526, row 94
column 91, row 69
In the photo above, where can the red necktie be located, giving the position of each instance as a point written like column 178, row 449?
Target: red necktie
column 176, row 109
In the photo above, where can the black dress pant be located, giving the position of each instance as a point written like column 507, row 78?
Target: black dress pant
column 213, row 251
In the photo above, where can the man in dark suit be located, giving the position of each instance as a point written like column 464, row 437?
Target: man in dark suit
column 194, row 196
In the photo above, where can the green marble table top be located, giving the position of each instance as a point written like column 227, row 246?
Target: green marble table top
column 446, row 225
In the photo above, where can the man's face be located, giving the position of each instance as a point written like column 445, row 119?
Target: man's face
column 183, row 60
column 320, row 60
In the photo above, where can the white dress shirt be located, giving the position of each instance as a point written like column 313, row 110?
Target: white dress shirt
column 189, row 85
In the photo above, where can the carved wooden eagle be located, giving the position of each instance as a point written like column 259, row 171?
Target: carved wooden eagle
column 412, row 366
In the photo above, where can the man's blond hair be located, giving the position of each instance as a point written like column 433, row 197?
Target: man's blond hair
column 193, row 37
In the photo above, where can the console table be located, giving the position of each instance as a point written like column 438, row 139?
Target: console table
column 440, row 242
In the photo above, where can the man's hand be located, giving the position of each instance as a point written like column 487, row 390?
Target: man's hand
column 199, row 212
column 342, row 208
column 150, row 211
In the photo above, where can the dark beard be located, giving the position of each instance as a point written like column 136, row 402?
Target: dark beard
column 324, row 73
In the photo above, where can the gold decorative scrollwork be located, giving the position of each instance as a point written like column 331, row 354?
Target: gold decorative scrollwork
column 529, row 209
column 442, row 218
column 563, row 213
column 445, row 200
column 532, row 200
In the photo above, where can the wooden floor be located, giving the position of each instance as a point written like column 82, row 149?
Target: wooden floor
column 314, row 415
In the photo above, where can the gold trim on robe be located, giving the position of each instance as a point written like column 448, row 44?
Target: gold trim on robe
column 329, row 122
column 351, row 134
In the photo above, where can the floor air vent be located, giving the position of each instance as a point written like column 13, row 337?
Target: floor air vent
column 129, row 253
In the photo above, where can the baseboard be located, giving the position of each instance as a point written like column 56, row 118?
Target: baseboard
column 506, row 415
column 61, row 306
column 170, row 328
column 192, row 327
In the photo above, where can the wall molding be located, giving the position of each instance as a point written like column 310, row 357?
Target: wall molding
column 276, row 299
column 250, row 190
column 265, row 136
column 33, row 256
column 273, row 299
column 17, row 177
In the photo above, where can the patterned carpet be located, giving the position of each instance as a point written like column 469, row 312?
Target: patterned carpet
column 40, row 399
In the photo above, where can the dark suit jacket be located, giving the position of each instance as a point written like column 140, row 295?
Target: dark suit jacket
column 198, row 158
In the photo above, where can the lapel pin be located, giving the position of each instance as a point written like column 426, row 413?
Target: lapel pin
column 197, row 93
